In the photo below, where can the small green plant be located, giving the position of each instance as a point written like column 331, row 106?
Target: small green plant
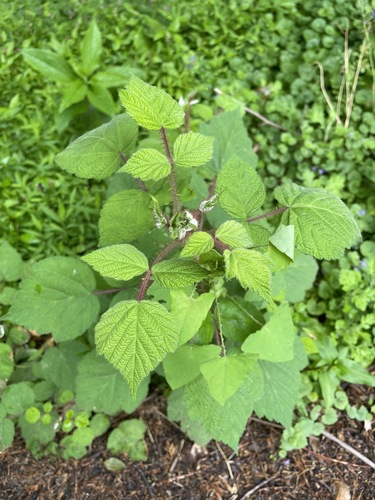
column 189, row 259
column 79, row 80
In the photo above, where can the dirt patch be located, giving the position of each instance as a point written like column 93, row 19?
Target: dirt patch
column 177, row 469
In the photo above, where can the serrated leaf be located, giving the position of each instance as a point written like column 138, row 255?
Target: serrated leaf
column 96, row 153
column 101, row 99
column 121, row 262
column 151, row 108
column 230, row 137
column 177, row 273
column 49, row 64
column 234, row 234
column 324, row 226
column 91, row 49
column 223, row 422
column 135, row 337
column 57, row 298
column 182, row 366
column 11, row 265
column 17, row 398
column 241, row 190
column 252, row 269
column 275, row 340
column 281, row 386
column 192, row 149
column 100, row 387
column 189, row 313
column 147, row 164
column 292, row 283
column 225, row 375
column 129, row 205
column 198, row 243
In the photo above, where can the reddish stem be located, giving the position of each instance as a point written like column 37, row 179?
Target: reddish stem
column 172, row 180
column 277, row 211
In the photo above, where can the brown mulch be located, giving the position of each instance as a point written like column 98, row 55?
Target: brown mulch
column 177, row 469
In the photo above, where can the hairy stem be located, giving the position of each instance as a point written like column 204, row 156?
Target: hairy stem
column 220, row 329
column 172, row 179
column 277, row 211
column 146, row 280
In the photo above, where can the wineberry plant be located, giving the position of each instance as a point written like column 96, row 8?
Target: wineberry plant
column 182, row 281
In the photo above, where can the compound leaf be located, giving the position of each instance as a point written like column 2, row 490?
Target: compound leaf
column 129, row 205
column 96, row 154
column 225, row 375
column 192, row 149
column 275, row 340
column 234, row 234
column 252, row 269
column 177, row 273
column 147, row 164
column 100, row 387
column 241, row 190
column 324, row 226
column 135, row 337
column 121, row 262
column 198, row 243
column 189, row 313
column 182, row 366
column 57, row 298
column 151, row 108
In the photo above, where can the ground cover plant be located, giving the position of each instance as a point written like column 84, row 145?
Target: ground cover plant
column 47, row 212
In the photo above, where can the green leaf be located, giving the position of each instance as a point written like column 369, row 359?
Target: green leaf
column 223, row 422
column 129, row 205
column 57, row 298
column 96, row 153
column 292, row 283
column 177, row 273
column 114, row 464
column 354, row 373
column 182, row 366
column 101, row 99
column 100, row 387
column 17, row 398
column 49, row 64
column 6, row 361
column 239, row 318
column 234, row 234
column 225, row 375
column 7, row 433
column 281, row 384
column 177, row 411
column 151, row 108
column 59, row 364
column 230, row 137
column 72, row 93
column 324, row 226
column 135, row 337
column 198, row 243
column 283, row 240
column 189, row 313
column 252, row 269
column 241, row 190
column 275, row 340
column 112, row 76
column 91, row 49
column 11, row 265
column 192, row 149
column 128, row 438
column 147, row 164
column 121, row 262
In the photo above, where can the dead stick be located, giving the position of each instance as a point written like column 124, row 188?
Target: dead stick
column 349, row 448
column 260, row 485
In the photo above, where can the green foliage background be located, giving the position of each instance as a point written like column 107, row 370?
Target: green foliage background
column 259, row 54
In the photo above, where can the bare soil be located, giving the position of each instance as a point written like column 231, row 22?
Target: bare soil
column 178, row 469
